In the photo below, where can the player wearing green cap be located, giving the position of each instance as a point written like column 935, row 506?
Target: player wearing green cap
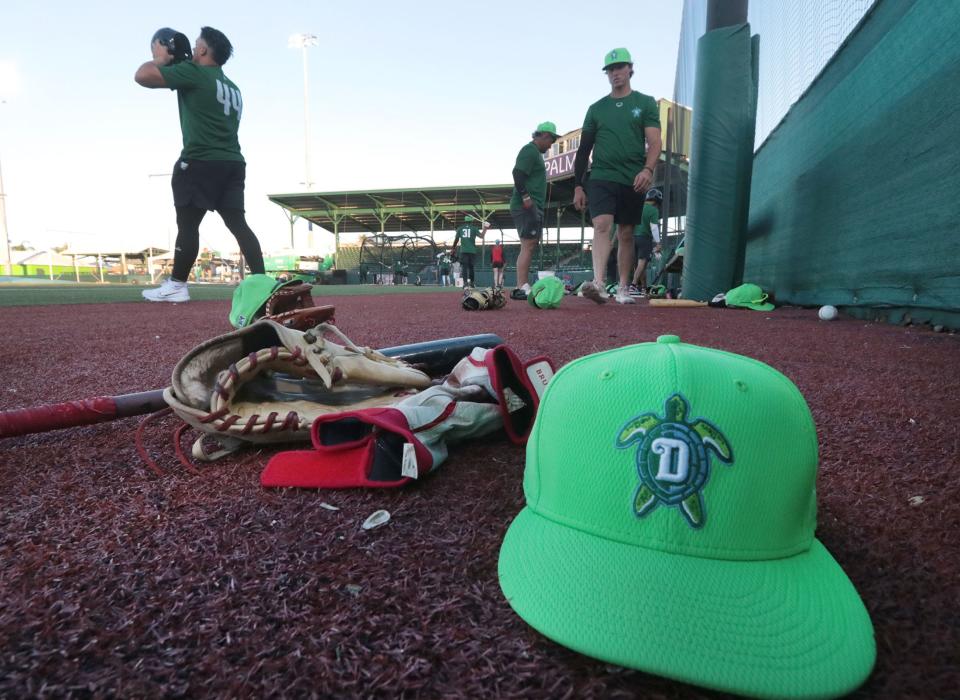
column 623, row 132
column 529, row 199
column 210, row 173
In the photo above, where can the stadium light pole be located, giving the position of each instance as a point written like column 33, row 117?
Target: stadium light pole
column 9, row 85
column 3, row 218
column 302, row 41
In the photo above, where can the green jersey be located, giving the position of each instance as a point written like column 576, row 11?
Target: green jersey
column 618, row 123
column 651, row 215
column 467, row 235
column 530, row 162
column 210, row 106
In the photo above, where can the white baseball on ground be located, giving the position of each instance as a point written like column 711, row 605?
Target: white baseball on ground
column 827, row 313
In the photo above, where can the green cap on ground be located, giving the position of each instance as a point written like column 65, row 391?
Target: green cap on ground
column 669, row 526
column 548, row 128
column 546, row 293
column 749, row 296
column 616, row 56
column 249, row 297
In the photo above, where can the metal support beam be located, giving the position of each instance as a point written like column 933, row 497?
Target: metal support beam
column 668, row 151
column 375, row 212
column 291, row 217
column 559, row 214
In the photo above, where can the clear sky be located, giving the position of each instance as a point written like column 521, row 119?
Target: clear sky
column 414, row 94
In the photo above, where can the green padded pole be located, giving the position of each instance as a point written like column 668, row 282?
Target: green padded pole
column 721, row 161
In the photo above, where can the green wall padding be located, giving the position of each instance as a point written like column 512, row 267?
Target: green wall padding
column 856, row 195
column 724, row 120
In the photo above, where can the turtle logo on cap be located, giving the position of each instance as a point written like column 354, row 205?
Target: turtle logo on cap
column 673, row 459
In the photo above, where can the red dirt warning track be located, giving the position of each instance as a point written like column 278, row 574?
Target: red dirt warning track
column 118, row 583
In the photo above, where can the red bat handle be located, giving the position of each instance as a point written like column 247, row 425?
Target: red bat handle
column 83, row 412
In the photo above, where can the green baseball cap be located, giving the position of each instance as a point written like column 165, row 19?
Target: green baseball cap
column 548, row 127
column 616, row 56
column 249, row 297
column 546, row 293
column 669, row 526
column 749, row 296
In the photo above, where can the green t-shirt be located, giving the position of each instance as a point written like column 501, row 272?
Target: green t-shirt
column 467, row 235
column 651, row 215
column 210, row 107
column 619, row 150
column 530, row 162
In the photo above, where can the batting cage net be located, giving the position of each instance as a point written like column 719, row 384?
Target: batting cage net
column 398, row 259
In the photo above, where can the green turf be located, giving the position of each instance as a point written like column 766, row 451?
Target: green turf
column 18, row 294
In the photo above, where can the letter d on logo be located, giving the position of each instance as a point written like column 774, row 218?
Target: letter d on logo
column 674, row 460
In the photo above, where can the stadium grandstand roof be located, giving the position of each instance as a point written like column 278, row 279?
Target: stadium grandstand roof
column 421, row 209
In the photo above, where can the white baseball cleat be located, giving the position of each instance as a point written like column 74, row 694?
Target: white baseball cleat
column 168, row 291
column 623, row 296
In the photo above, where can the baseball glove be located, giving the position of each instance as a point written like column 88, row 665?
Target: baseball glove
column 292, row 306
column 218, row 387
column 287, row 302
column 482, row 299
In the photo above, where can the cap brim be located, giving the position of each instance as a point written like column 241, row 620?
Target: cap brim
column 792, row 627
column 764, row 306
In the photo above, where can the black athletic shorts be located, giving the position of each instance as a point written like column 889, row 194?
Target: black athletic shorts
column 209, row 184
column 606, row 197
column 496, row 264
column 643, row 246
column 528, row 222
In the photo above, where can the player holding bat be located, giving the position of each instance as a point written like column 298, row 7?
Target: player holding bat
column 210, row 173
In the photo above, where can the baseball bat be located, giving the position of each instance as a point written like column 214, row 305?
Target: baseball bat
column 435, row 357
column 677, row 303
